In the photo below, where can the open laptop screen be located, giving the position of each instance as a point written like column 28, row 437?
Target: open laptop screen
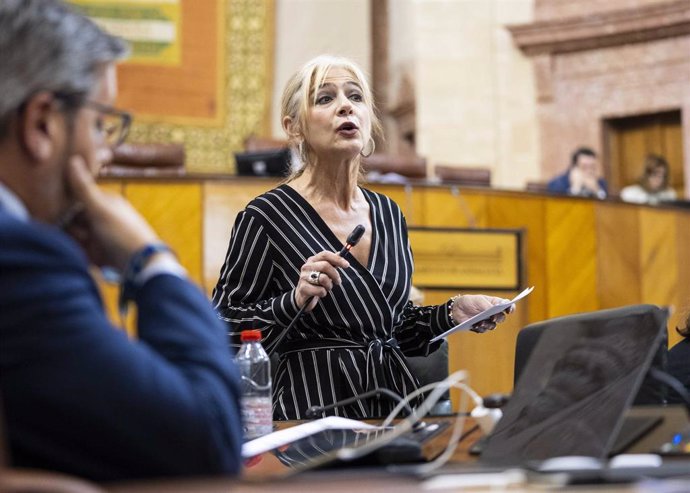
column 580, row 379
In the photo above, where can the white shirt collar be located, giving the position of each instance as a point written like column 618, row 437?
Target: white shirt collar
column 12, row 204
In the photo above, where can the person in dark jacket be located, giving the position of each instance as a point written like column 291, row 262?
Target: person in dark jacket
column 679, row 362
column 78, row 395
column 582, row 177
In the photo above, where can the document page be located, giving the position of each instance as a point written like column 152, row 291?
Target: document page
column 289, row 435
column 467, row 324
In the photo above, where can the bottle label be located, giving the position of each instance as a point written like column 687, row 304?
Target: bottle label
column 257, row 416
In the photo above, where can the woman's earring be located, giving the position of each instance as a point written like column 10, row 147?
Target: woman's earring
column 373, row 148
column 302, row 154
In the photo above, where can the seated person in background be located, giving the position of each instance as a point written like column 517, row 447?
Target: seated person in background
column 679, row 362
column 652, row 187
column 359, row 323
column 582, row 178
column 78, row 396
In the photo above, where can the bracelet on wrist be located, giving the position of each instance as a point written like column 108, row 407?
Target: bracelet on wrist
column 128, row 285
column 451, row 304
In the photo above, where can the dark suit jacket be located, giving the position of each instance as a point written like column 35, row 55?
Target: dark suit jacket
column 561, row 184
column 82, row 398
column 679, row 367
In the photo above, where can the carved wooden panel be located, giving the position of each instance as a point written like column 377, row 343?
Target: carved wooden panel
column 528, row 213
column 618, row 253
column 174, row 211
column 571, row 263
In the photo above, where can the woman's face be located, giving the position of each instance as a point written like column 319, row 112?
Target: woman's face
column 656, row 178
column 338, row 122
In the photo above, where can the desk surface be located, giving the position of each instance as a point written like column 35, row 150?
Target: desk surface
column 349, row 480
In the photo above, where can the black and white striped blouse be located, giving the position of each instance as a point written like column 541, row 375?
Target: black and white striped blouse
column 355, row 338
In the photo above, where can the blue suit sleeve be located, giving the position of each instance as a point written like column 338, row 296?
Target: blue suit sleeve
column 82, row 398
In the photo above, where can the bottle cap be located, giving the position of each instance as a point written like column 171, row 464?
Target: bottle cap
column 250, row 335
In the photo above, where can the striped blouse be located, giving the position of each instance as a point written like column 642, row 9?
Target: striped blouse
column 356, row 337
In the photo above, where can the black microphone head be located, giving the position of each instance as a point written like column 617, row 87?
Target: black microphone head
column 356, row 235
column 313, row 412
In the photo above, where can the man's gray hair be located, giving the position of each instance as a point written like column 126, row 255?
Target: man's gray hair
column 45, row 45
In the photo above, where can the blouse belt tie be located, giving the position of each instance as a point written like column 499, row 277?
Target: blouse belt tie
column 377, row 375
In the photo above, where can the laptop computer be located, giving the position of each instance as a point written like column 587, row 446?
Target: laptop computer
column 578, row 383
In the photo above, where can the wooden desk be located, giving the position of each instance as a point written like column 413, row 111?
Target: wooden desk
column 359, row 480
column 349, row 481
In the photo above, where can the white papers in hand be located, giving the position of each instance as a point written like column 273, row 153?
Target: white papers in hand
column 289, row 435
column 493, row 310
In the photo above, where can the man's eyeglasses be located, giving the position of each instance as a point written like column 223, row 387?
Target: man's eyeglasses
column 113, row 125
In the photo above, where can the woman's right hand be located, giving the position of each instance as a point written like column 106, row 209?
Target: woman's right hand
column 317, row 277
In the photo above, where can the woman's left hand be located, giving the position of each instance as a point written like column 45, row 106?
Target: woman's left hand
column 469, row 305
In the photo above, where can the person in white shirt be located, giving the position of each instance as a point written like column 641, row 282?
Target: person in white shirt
column 652, row 187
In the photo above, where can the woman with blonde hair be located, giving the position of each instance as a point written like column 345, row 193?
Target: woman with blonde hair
column 358, row 323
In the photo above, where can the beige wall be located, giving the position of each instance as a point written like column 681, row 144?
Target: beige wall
column 475, row 90
column 307, row 28
column 475, row 97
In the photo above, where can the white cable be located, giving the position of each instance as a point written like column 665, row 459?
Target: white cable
column 454, row 380
column 423, row 409
column 406, row 424
column 478, row 401
column 486, row 418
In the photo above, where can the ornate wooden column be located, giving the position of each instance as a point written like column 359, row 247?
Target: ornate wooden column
column 379, row 63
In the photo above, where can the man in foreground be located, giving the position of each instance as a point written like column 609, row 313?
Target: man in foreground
column 77, row 395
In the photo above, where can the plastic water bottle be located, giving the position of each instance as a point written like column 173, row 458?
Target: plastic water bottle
column 255, row 369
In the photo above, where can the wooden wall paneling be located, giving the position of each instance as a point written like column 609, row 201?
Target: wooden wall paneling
column 618, row 255
column 658, row 254
column 612, row 159
column 682, row 303
column 672, row 145
column 571, row 263
column 525, row 212
column 173, row 209
column 635, row 146
column 222, row 201
column 453, row 207
column 490, row 357
column 110, row 292
column 659, row 283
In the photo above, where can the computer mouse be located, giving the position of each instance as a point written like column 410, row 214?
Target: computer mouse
column 635, row 460
column 571, row 463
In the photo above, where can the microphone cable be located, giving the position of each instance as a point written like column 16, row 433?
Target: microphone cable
column 351, row 241
column 673, row 383
column 455, row 380
column 314, row 411
column 407, row 424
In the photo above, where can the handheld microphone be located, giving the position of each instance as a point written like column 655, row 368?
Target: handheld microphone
column 314, row 411
column 351, row 241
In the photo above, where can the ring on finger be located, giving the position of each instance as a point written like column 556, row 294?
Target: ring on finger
column 313, row 278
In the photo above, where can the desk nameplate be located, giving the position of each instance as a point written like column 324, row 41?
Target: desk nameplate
column 487, row 259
